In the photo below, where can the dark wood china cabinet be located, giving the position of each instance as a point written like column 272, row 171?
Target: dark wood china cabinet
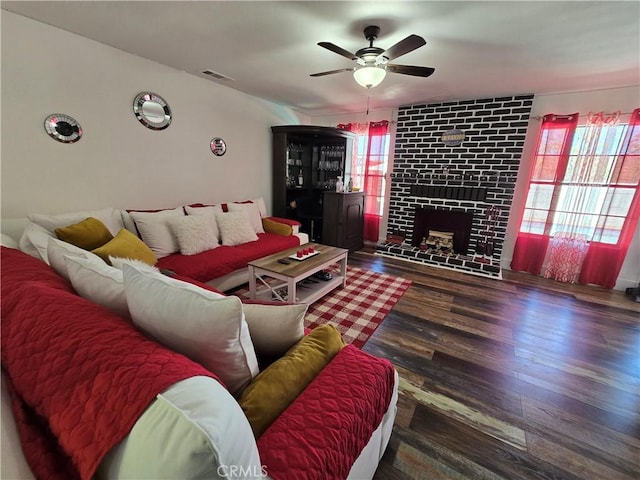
column 307, row 161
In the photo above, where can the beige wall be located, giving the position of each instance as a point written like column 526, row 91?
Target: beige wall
column 118, row 162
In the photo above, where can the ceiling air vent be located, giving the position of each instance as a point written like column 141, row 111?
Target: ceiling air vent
column 216, row 75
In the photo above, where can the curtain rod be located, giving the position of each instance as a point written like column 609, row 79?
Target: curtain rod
column 580, row 115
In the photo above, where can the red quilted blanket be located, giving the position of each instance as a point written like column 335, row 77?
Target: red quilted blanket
column 18, row 267
column 79, row 375
column 322, row 433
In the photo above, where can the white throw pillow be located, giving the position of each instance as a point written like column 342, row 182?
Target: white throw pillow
column 155, row 232
column 34, row 241
column 205, row 326
column 194, row 233
column 210, row 214
column 98, row 282
column 110, row 217
column 206, row 210
column 275, row 328
column 118, row 262
column 235, row 228
column 261, row 206
column 252, row 211
column 57, row 250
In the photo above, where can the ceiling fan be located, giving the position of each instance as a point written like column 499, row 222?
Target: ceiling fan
column 373, row 62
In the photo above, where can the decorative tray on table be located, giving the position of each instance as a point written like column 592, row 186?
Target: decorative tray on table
column 304, row 253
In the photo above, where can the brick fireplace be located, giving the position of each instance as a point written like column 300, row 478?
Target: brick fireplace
column 474, row 177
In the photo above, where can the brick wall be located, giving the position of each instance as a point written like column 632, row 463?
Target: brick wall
column 488, row 159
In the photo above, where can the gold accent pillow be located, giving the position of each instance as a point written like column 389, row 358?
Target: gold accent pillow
column 276, row 387
column 126, row 245
column 271, row 226
column 89, row 234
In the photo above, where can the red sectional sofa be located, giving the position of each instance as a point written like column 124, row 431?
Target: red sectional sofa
column 92, row 396
column 88, row 391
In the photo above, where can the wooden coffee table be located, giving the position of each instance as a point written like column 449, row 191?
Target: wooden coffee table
column 296, row 271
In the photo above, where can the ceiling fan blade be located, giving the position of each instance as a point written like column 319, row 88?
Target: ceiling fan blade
column 331, row 72
column 407, row 45
column 339, row 50
column 411, row 70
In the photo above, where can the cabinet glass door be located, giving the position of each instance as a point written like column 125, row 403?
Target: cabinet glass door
column 329, row 165
column 298, row 165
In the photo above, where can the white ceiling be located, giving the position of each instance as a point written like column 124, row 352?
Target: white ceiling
column 479, row 49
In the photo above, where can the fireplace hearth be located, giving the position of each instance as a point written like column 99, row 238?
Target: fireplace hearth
column 469, row 232
column 465, row 263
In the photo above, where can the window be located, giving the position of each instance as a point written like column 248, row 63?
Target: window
column 372, row 179
column 368, row 169
column 583, row 201
column 592, row 194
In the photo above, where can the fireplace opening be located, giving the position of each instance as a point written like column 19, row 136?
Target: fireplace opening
column 429, row 219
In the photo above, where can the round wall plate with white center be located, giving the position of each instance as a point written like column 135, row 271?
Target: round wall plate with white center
column 152, row 110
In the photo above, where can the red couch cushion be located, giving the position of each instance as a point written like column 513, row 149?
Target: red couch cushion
column 323, row 432
column 223, row 260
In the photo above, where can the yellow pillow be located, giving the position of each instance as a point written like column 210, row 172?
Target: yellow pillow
column 88, row 234
column 276, row 387
column 126, row 245
column 271, row 226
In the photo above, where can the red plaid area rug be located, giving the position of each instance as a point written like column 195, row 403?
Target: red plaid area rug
column 359, row 308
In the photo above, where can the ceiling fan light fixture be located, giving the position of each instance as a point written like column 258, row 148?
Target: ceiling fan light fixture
column 372, row 63
column 369, row 76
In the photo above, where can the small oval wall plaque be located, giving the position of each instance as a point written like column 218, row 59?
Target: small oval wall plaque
column 218, row 146
column 453, row 138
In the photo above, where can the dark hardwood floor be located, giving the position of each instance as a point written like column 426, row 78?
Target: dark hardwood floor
column 523, row 378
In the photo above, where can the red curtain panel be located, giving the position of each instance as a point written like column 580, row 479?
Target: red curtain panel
column 549, row 165
column 368, row 168
column 603, row 261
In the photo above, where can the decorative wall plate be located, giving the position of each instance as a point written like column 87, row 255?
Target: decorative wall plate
column 453, row 138
column 152, row 111
column 218, row 147
column 63, row 128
